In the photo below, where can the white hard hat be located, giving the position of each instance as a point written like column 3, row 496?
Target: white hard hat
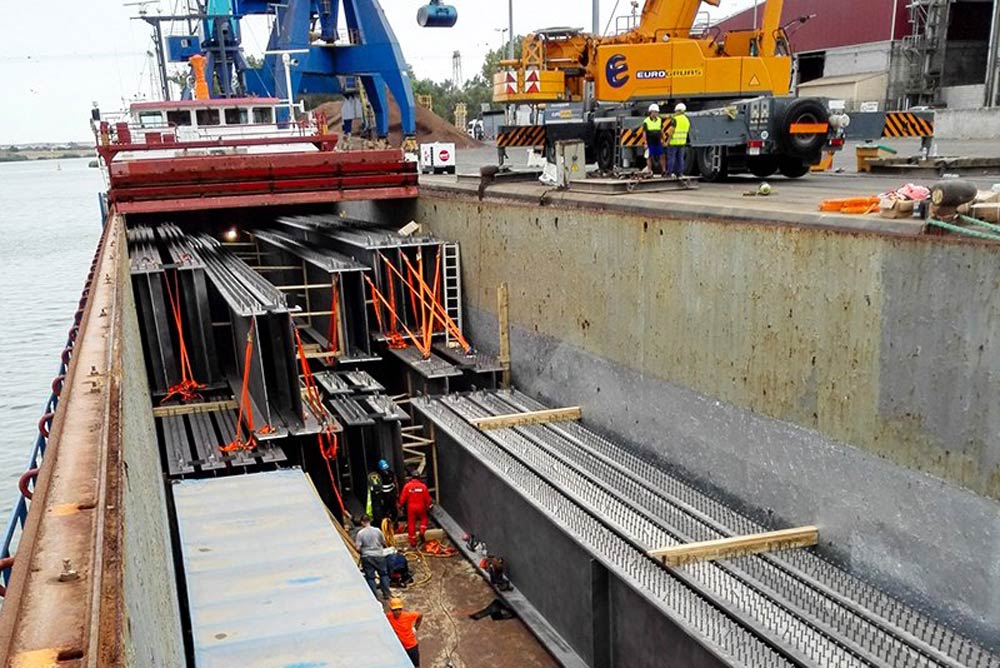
column 680, row 108
column 654, row 107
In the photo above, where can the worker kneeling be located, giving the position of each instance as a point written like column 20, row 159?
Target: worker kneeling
column 416, row 498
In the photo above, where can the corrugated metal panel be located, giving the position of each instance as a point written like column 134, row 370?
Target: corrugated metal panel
column 270, row 582
column 844, row 23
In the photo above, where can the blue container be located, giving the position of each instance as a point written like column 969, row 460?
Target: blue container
column 436, row 15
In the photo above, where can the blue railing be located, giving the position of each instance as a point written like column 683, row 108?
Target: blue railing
column 19, row 515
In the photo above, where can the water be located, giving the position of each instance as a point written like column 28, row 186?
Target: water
column 49, row 226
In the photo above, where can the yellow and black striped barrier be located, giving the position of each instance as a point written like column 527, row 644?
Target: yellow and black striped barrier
column 633, row 136
column 907, row 124
column 525, row 135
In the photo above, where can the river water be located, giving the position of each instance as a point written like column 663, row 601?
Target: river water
column 49, row 227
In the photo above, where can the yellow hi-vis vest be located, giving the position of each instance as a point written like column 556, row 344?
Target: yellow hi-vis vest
column 681, row 126
column 654, row 130
column 653, row 124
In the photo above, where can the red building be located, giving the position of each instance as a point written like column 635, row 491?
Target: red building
column 866, row 50
column 834, row 24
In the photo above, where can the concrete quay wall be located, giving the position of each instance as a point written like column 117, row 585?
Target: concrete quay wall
column 809, row 375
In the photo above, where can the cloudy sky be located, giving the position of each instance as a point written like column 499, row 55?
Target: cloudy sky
column 56, row 59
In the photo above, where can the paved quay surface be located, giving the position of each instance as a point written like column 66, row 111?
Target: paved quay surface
column 792, row 202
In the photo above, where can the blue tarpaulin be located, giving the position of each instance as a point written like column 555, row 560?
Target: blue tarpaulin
column 270, row 583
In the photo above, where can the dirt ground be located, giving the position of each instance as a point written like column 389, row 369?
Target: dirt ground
column 448, row 637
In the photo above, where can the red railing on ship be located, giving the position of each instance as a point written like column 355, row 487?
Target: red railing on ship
column 19, row 514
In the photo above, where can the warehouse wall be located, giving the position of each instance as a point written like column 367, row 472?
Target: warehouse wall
column 813, row 376
column 857, row 59
column 152, row 628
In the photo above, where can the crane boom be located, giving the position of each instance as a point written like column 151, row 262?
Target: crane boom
column 659, row 59
column 670, row 17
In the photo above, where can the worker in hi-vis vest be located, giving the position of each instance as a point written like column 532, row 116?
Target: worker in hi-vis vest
column 677, row 133
column 653, row 125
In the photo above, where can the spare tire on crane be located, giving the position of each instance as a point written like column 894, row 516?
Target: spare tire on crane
column 437, row 15
column 805, row 110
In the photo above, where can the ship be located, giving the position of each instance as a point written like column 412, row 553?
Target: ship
column 657, row 432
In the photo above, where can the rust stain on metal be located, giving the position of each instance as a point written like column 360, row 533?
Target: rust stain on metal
column 39, row 658
column 42, row 610
column 64, row 509
column 785, row 321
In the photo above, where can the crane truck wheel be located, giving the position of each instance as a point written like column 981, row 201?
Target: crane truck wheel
column 606, row 151
column 792, row 168
column 803, row 110
column 763, row 166
column 711, row 163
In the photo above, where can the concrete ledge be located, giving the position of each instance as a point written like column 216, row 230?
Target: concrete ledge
column 704, row 204
column 981, row 123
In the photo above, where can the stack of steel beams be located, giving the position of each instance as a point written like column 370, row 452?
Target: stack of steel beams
column 155, row 320
column 191, row 445
column 193, row 296
column 325, row 275
column 249, row 303
column 399, row 263
column 788, row 608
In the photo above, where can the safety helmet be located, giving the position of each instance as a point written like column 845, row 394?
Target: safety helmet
column 383, row 465
column 680, row 108
column 654, row 107
column 395, row 604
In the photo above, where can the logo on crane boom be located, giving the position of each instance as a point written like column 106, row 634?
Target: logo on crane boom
column 616, row 71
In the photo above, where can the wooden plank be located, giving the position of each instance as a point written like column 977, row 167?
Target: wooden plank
column 530, row 417
column 503, row 317
column 409, row 439
column 401, row 541
column 188, row 409
column 736, row 546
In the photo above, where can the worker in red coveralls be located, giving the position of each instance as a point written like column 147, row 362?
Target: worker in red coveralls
column 416, row 498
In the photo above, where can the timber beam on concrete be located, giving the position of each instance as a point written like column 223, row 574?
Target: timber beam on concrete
column 528, row 418
column 191, row 409
column 736, row 546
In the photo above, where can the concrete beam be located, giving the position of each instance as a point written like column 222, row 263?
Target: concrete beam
column 736, row 546
column 528, row 418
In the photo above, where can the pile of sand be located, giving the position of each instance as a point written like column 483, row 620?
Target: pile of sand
column 430, row 126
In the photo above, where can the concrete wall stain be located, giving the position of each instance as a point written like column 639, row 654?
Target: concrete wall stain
column 153, row 622
column 884, row 343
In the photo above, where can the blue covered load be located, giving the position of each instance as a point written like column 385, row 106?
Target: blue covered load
column 270, row 583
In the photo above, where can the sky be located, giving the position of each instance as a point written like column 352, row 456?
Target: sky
column 56, row 59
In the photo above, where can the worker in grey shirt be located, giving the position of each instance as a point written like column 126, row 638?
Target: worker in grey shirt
column 371, row 544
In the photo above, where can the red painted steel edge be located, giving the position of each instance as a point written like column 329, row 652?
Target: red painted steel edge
column 206, row 163
column 261, row 186
column 269, row 199
column 324, row 142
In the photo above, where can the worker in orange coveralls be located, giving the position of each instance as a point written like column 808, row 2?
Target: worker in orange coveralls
column 417, row 500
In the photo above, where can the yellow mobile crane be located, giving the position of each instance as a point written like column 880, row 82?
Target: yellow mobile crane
column 736, row 83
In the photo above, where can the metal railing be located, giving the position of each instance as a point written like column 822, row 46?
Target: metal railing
column 19, row 514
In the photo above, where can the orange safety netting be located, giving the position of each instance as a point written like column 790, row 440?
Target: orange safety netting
column 332, row 333
column 327, row 436
column 436, row 310
column 395, row 339
column 246, row 406
column 188, row 388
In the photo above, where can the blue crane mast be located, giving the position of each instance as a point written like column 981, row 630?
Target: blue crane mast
column 366, row 53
